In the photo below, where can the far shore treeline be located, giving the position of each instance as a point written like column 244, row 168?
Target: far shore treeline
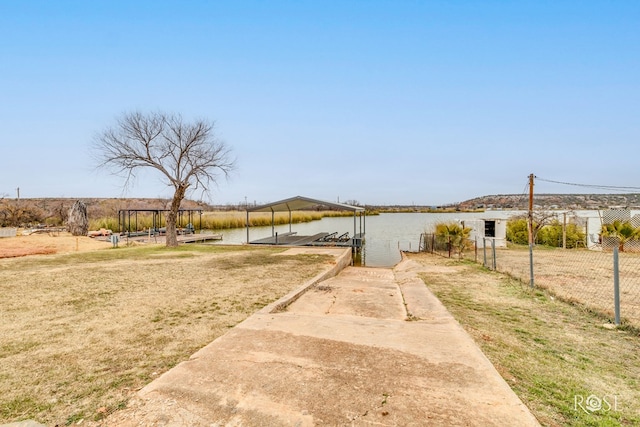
column 103, row 212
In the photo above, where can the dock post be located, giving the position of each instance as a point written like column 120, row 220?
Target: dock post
column 354, row 224
column 247, row 227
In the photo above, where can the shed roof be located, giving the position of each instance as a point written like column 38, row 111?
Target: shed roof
column 299, row 202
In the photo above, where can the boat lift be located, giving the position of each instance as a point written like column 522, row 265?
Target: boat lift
column 321, row 239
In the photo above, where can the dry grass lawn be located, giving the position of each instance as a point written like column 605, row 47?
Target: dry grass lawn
column 82, row 331
column 580, row 275
column 554, row 355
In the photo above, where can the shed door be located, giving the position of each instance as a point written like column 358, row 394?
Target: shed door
column 489, row 229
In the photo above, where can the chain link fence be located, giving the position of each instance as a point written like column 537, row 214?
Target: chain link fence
column 448, row 246
column 583, row 276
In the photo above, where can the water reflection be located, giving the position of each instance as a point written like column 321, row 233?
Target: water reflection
column 386, row 234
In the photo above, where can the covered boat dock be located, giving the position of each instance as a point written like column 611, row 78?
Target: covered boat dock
column 128, row 221
column 291, row 238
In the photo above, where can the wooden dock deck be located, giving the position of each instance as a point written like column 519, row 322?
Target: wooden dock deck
column 319, row 239
column 291, row 239
column 198, row 238
column 154, row 238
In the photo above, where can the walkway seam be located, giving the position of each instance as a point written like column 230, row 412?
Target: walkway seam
column 342, row 261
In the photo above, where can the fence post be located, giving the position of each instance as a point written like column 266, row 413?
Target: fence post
column 531, row 265
column 484, row 251
column 449, row 246
column 475, row 249
column 493, row 253
column 616, row 286
column 564, row 230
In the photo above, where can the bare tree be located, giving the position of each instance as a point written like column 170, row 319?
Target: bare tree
column 541, row 219
column 188, row 155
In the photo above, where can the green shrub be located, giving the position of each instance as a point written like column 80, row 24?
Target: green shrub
column 622, row 230
column 551, row 235
column 548, row 235
column 454, row 234
column 517, row 231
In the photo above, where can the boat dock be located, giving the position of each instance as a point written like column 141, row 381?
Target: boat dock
column 160, row 238
column 319, row 239
column 291, row 238
column 198, row 238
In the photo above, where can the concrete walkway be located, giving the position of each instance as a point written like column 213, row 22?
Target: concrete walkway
column 370, row 346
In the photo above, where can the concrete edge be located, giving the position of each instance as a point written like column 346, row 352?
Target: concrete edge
column 342, row 261
column 439, row 306
column 402, row 264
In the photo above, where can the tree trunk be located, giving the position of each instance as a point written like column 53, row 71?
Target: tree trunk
column 172, row 217
column 78, row 221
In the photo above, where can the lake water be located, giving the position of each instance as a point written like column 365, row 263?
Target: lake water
column 386, row 234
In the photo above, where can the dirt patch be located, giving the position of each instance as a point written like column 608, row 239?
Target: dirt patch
column 40, row 244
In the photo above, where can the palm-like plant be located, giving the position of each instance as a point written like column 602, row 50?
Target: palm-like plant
column 622, row 230
column 454, row 234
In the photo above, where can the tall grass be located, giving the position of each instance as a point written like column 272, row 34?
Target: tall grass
column 238, row 219
column 219, row 220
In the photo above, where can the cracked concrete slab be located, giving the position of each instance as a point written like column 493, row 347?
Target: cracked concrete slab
column 366, row 347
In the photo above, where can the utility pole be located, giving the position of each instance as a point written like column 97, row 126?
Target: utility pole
column 531, row 177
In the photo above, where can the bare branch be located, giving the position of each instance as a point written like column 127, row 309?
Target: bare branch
column 187, row 154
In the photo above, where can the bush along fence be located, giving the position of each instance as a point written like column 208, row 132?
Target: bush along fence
column 605, row 280
column 449, row 246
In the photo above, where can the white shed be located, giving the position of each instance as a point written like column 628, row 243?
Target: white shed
column 488, row 229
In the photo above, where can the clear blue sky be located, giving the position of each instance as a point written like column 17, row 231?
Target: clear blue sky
column 383, row 102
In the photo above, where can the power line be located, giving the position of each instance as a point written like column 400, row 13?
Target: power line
column 524, row 193
column 594, row 186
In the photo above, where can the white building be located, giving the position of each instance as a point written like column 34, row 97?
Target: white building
column 487, row 230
